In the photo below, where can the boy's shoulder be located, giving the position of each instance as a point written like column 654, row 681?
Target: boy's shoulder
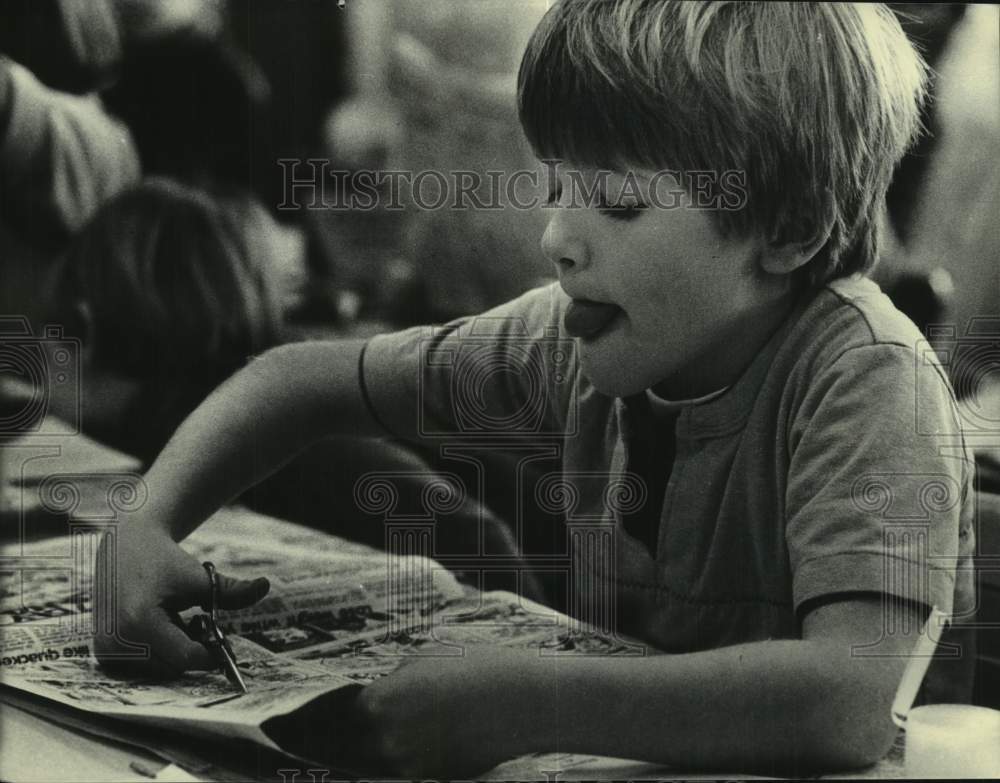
column 852, row 353
column 853, row 312
column 848, row 319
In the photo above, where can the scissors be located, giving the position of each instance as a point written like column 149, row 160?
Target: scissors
column 204, row 628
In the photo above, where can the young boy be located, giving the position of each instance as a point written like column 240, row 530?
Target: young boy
column 734, row 359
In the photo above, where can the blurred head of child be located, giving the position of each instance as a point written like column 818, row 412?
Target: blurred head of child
column 746, row 149
column 172, row 290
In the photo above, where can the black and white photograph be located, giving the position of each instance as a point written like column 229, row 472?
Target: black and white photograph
column 548, row 390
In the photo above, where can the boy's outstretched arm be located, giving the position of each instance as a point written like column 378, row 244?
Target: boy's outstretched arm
column 256, row 421
column 775, row 707
column 276, row 406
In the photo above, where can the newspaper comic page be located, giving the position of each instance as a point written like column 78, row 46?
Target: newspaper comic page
column 338, row 616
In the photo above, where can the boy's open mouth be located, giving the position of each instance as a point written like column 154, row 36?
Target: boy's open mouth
column 586, row 318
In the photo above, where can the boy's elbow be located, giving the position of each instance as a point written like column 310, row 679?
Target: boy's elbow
column 855, row 729
column 860, row 742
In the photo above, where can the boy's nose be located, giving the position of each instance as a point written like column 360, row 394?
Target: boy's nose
column 562, row 248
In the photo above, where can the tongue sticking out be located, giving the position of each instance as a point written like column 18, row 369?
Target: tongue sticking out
column 585, row 318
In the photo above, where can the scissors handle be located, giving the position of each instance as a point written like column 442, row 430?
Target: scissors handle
column 213, row 588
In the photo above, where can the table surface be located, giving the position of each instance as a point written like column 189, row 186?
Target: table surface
column 72, row 755
column 35, row 748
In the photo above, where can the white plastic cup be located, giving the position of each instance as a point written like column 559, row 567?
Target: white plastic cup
column 952, row 741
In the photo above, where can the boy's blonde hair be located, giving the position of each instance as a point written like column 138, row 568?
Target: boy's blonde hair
column 815, row 102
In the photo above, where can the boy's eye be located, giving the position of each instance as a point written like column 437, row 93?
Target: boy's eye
column 623, row 211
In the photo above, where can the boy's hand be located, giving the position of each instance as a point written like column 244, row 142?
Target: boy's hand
column 142, row 580
column 450, row 716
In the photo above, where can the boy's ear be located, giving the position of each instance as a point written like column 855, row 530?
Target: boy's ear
column 785, row 257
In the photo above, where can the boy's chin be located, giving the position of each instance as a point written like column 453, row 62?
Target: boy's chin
column 612, row 381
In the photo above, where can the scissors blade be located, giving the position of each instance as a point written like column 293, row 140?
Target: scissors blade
column 233, row 673
column 232, row 670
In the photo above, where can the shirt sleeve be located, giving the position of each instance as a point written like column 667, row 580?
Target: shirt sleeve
column 508, row 372
column 875, row 501
column 61, row 157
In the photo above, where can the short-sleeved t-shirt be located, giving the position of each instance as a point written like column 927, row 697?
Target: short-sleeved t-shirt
column 835, row 464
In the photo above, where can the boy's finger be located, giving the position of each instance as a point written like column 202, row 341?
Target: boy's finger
column 195, row 589
column 239, row 593
column 170, row 651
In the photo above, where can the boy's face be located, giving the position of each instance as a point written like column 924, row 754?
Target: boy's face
column 685, row 308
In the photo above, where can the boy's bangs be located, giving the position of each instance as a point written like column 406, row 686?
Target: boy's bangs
column 574, row 106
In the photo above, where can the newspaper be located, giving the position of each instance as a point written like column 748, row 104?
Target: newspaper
column 338, row 616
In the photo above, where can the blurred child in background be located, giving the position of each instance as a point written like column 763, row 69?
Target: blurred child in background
column 171, row 291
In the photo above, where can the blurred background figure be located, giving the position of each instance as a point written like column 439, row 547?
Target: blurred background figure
column 434, row 90
column 300, row 48
column 171, row 291
column 145, row 21
column 194, row 105
column 61, row 154
column 930, row 27
column 217, row 93
column 69, row 46
column 941, row 236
